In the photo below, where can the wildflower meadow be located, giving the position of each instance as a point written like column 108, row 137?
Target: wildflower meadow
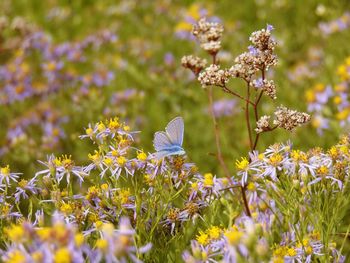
column 174, row 131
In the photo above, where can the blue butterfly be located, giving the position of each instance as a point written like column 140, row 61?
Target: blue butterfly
column 170, row 142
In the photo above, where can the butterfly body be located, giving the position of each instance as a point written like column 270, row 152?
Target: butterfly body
column 170, row 142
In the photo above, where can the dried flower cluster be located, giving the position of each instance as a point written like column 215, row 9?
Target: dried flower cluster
column 268, row 86
column 247, row 66
column 263, row 124
column 214, row 76
column 289, row 119
column 208, row 34
column 195, row 64
column 260, row 56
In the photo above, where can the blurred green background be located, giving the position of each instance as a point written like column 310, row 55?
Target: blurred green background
column 146, row 58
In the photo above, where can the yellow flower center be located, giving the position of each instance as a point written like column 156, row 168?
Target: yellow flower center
column 242, row 164
column 62, row 255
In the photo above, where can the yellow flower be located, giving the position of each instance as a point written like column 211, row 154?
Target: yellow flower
column 342, row 115
column 276, row 159
column 310, row 96
column 333, row 152
column 62, row 255
column 278, row 260
column 280, row 251
column 308, row 250
column 67, row 161
column 92, row 192
column 203, row 238
column 104, row 187
column 342, row 72
column 224, row 181
column 108, row 161
column 194, row 11
column 89, row 131
column 322, row 170
column 319, row 87
column 142, row 156
column 251, row 186
column 316, row 122
column 37, row 256
column 347, row 61
column 44, row 233
column 79, row 239
column 242, row 164
column 121, row 160
column 5, row 171
column 108, row 229
column 101, row 127
column 51, row 66
column 113, row 124
column 16, row 256
column 124, row 196
column 102, row 244
column 340, row 88
column 94, row 157
column 214, row 232
column 315, row 235
column 337, row 100
column 291, row 252
column 183, row 26
column 195, row 186
column 99, row 224
column 150, row 179
column 66, row 208
column 233, row 236
column 15, row 233
column 208, row 180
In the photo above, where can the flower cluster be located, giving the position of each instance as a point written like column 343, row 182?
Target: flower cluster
column 119, row 181
column 260, row 56
column 340, row 24
column 125, row 199
column 214, row 76
column 267, row 86
column 289, row 119
column 195, row 64
column 37, row 72
column 208, row 34
column 56, row 71
column 42, row 116
column 63, row 242
column 330, row 104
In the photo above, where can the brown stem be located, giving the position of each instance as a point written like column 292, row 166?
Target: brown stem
column 214, row 59
column 229, row 188
column 256, row 110
column 217, row 134
column 256, row 141
column 217, row 138
column 226, row 89
column 247, row 117
column 257, row 136
column 244, row 196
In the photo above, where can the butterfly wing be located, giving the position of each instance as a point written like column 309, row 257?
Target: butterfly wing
column 161, row 141
column 175, row 150
column 161, row 154
column 175, row 131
